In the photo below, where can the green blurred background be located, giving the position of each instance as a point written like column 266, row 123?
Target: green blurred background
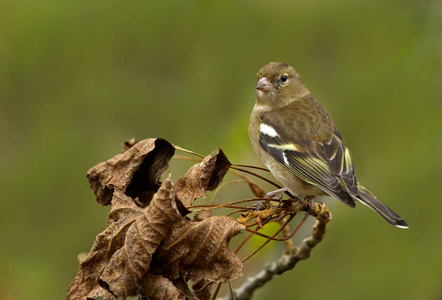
column 79, row 78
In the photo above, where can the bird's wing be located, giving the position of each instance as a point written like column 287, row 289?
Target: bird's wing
column 324, row 161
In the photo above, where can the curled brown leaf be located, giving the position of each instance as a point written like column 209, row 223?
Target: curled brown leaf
column 148, row 247
column 132, row 261
column 122, row 253
column 85, row 285
column 135, row 171
column 160, row 288
column 202, row 177
column 199, row 250
column 203, row 289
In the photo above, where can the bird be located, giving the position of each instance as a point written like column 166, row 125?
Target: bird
column 299, row 143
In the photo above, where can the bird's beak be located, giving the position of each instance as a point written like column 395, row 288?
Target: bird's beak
column 264, row 85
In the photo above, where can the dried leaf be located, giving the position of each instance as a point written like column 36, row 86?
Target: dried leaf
column 160, row 288
column 181, row 284
column 220, row 168
column 132, row 261
column 202, row 177
column 203, row 289
column 135, row 171
column 85, row 285
column 153, row 238
column 199, row 250
column 122, row 253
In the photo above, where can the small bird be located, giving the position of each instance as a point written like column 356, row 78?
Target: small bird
column 299, row 143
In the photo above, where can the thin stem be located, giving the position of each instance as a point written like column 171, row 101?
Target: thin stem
column 268, row 241
column 256, row 175
column 243, row 243
column 278, row 239
column 251, row 167
column 187, row 151
column 234, row 212
column 231, row 291
column 299, row 226
column 223, row 186
column 217, row 291
column 185, row 157
column 215, row 206
column 230, row 204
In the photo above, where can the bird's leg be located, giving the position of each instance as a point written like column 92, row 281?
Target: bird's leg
column 276, row 194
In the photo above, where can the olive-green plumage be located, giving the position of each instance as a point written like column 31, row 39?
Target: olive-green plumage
column 298, row 141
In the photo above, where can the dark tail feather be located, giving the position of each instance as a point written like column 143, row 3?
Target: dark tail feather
column 367, row 198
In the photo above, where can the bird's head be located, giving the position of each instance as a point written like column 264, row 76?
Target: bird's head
column 278, row 85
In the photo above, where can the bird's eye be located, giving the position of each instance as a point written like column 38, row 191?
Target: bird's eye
column 284, row 78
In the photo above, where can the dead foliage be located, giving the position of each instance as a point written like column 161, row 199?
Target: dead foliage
column 151, row 247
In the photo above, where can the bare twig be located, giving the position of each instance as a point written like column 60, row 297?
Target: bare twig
column 288, row 259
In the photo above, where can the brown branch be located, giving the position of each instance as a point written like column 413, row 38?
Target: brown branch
column 288, row 259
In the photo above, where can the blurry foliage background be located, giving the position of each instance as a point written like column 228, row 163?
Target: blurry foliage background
column 79, row 78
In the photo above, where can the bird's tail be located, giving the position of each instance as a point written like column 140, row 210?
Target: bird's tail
column 367, row 198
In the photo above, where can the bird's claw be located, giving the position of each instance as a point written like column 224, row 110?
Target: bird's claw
column 261, row 205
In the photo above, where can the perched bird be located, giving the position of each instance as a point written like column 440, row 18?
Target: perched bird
column 299, row 143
